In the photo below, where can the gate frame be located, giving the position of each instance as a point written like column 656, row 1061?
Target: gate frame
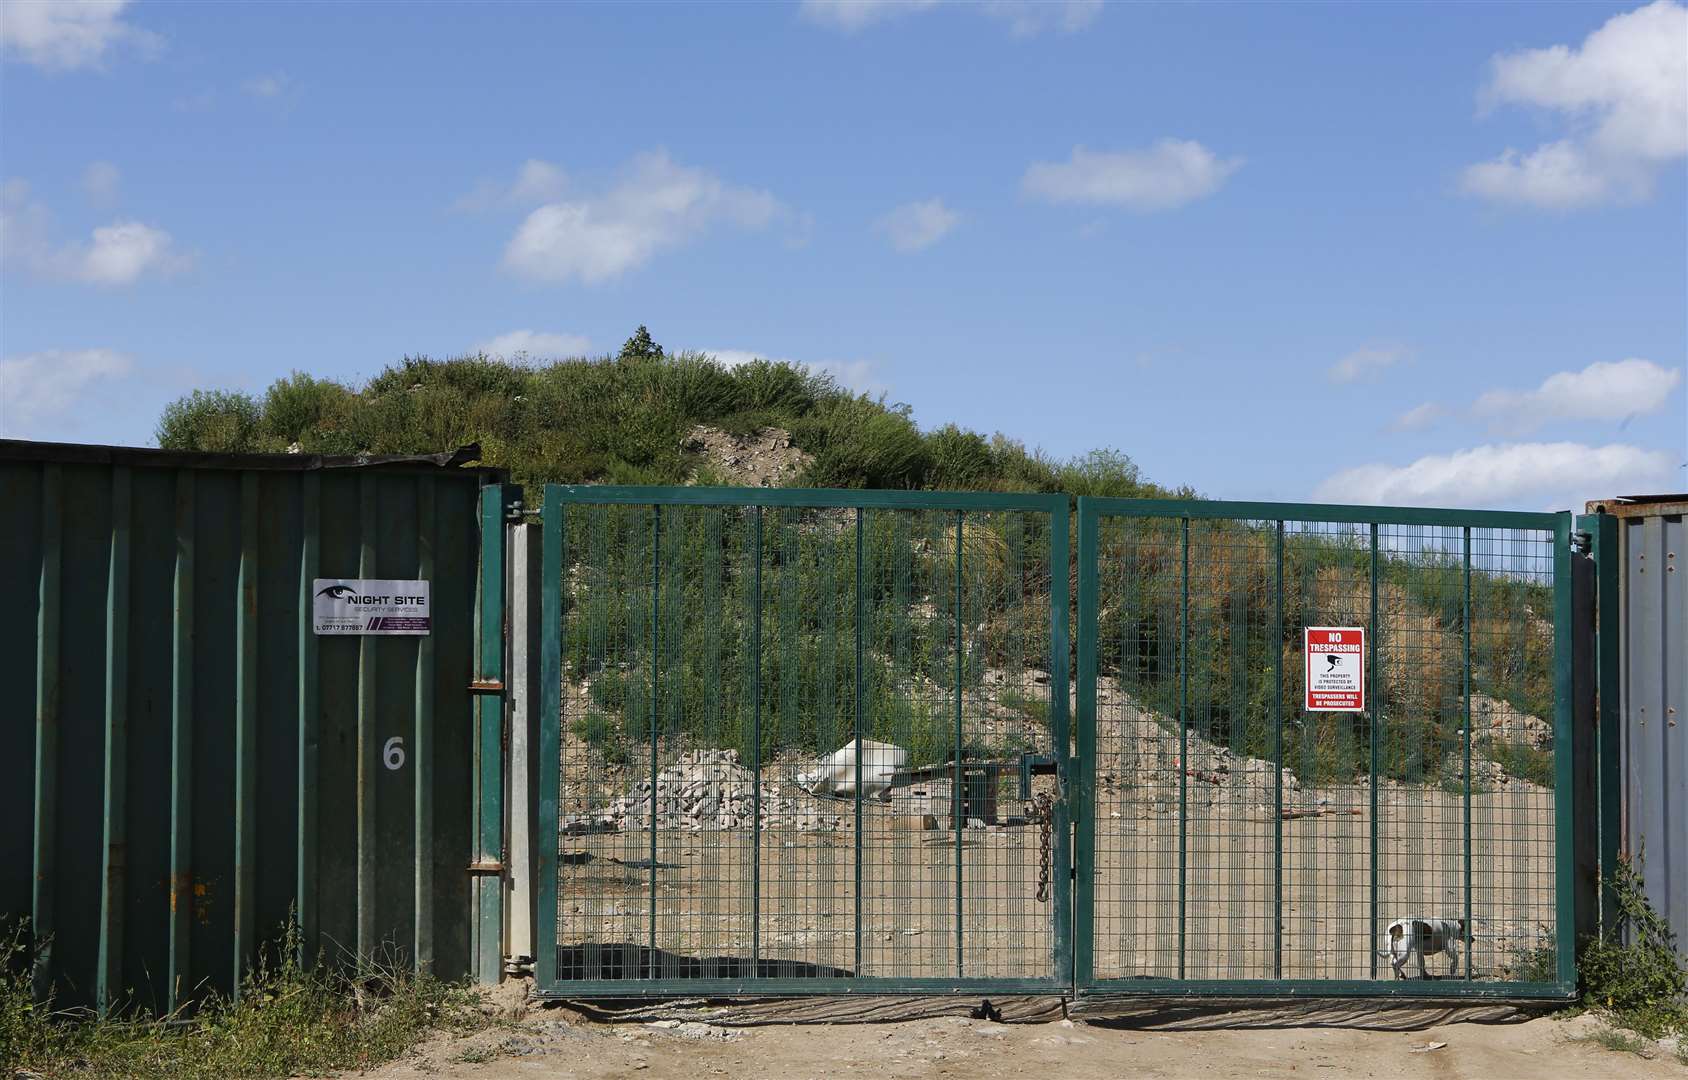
column 1083, row 799
column 557, row 498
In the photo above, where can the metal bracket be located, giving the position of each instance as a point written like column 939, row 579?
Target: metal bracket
column 486, row 686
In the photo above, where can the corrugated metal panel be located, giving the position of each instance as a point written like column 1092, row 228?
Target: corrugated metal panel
column 1654, row 669
column 188, row 761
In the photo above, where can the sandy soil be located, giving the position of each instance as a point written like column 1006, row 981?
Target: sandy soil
column 556, row 1042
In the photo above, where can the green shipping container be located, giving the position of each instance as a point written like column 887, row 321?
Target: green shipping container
column 188, row 763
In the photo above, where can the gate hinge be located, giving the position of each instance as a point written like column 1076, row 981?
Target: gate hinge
column 486, row 686
column 486, row 866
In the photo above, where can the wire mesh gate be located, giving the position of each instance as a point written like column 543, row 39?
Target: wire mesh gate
column 809, row 742
column 1232, row 842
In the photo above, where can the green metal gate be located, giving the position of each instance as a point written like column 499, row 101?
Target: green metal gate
column 809, row 742
column 1231, row 842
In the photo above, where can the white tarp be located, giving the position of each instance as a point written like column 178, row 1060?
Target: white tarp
column 835, row 774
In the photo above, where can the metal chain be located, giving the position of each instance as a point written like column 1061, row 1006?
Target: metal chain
column 1042, row 810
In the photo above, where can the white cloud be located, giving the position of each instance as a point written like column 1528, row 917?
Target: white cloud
column 267, row 86
column 852, row 15
column 856, row 375
column 1611, row 391
column 916, row 226
column 657, row 205
column 1367, row 362
column 1420, row 417
column 117, row 254
column 1024, row 18
column 536, row 182
column 100, row 183
column 63, row 36
column 534, row 344
column 1623, row 93
column 1559, row 475
column 1167, row 175
column 37, row 390
column 122, row 253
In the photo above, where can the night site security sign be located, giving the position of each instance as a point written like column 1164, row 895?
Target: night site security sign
column 1336, row 668
column 369, row 606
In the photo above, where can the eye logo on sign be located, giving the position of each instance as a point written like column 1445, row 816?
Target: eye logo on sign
column 370, row 606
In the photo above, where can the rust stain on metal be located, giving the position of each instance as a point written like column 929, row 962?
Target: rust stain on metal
column 486, row 686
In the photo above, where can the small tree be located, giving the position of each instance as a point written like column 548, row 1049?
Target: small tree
column 641, row 347
column 217, row 421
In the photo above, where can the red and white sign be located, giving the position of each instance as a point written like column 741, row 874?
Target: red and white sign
column 1336, row 668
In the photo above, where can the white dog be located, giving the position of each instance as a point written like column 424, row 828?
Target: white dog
column 1423, row 937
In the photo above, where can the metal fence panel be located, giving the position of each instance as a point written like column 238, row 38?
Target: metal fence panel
column 1653, row 671
column 189, row 763
column 715, row 659
column 1232, row 842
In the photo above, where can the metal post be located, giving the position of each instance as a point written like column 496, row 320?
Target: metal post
column 861, row 617
column 1607, row 561
column 656, row 690
column 488, row 868
column 1465, row 621
column 1183, row 738
column 1083, row 797
column 1376, row 712
column 1060, row 553
column 1278, row 756
column 550, row 736
column 756, row 757
column 518, row 926
column 958, row 788
column 1564, row 775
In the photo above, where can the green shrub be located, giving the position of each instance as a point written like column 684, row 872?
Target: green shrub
column 958, row 460
column 214, row 421
column 297, row 408
column 1633, row 969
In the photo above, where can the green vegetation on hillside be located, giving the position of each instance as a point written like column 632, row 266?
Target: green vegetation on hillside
column 622, row 420
column 625, row 419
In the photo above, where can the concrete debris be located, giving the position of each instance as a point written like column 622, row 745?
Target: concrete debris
column 765, row 459
column 705, row 789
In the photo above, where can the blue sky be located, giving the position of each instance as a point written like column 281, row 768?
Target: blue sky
column 1426, row 254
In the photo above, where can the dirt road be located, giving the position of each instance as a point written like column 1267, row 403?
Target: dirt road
column 559, row 1043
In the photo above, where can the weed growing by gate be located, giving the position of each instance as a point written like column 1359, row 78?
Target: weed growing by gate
column 289, row 1020
column 1641, row 982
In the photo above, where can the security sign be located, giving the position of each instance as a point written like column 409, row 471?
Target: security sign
column 1336, row 668
column 369, row 606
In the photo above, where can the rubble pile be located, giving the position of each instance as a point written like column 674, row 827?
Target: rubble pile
column 705, row 789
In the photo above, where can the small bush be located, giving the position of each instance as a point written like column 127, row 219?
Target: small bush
column 296, row 408
column 214, row 421
column 1639, row 981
